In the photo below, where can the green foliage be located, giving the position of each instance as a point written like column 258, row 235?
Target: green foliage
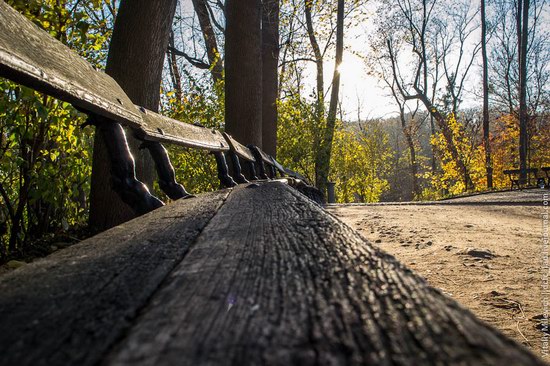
column 360, row 159
column 45, row 158
column 360, row 163
column 195, row 169
column 41, row 144
column 296, row 147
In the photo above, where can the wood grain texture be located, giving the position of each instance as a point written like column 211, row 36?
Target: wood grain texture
column 276, row 280
column 165, row 129
column 238, row 148
column 68, row 308
column 31, row 57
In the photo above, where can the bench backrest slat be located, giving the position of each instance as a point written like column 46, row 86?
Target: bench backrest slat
column 266, row 158
column 518, row 171
column 31, row 57
column 242, row 151
column 164, row 129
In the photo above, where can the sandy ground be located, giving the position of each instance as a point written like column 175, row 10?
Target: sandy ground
column 484, row 251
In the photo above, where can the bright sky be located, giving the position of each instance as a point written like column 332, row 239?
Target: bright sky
column 357, row 89
column 360, row 94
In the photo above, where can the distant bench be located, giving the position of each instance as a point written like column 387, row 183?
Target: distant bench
column 253, row 274
column 515, row 180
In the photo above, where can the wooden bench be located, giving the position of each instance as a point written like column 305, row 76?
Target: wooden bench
column 253, row 274
column 32, row 58
column 546, row 171
column 514, row 174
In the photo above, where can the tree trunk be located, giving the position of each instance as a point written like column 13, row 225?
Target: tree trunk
column 320, row 102
column 216, row 65
column 325, row 151
column 320, row 106
column 174, row 71
column 136, row 56
column 432, row 133
column 413, row 165
column 522, row 46
column 243, row 71
column 270, row 60
column 486, row 144
column 448, row 136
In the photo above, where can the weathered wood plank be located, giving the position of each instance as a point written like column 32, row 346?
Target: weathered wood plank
column 68, row 308
column 266, row 158
column 278, row 166
column 164, row 129
column 274, row 279
column 31, row 57
column 238, row 148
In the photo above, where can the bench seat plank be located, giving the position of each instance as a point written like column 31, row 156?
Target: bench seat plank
column 276, row 280
column 31, row 57
column 164, row 129
column 70, row 307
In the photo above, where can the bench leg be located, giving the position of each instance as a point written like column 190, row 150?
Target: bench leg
column 165, row 171
column 272, row 172
column 252, row 170
column 123, row 169
column 237, row 171
column 259, row 161
column 223, row 170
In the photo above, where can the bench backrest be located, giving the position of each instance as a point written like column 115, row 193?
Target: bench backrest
column 31, row 57
column 518, row 171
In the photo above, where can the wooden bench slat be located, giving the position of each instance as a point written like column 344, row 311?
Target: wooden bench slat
column 69, row 308
column 518, row 171
column 266, row 158
column 239, row 149
column 274, row 279
column 31, row 57
column 164, row 129
column 278, row 166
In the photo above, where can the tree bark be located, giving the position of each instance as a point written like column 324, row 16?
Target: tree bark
column 214, row 58
column 320, row 106
column 522, row 46
column 136, row 56
column 243, row 71
column 270, row 60
column 174, row 71
column 413, row 165
column 325, row 151
column 320, row 102
column 486, row 143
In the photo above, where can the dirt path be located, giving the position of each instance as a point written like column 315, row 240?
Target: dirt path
column 486, row 256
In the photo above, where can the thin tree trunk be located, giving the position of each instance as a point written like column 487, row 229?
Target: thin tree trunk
column 243, row 71
column 212, row 50
column 522, row 41
column 486, row 143
column 448, row 136
column 432, row 133
column 174, row 71
column 270, row 60
column 136, row 56
column 325, row 151
column 320, row 102
column 413, row 165
column 318, row 60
